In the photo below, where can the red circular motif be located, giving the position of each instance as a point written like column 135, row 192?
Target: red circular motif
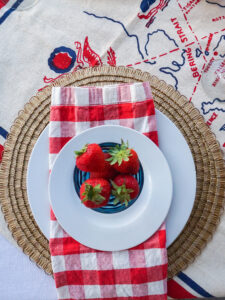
column 215, row 53
column 62, row 60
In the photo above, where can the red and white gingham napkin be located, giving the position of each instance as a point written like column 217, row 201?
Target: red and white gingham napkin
column 81, row 272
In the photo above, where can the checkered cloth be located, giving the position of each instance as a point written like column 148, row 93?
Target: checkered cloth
column 81, row 272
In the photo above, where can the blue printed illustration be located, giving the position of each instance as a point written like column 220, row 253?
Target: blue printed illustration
column 3, row 136
column 8, row 12
column 199, row 290
column 154, row 8
column 198, row 52
column 218, row 2
column 172, row 66
column 122, row 25
column 62, row 59
column 220, row 46
column 156, row 33
column 150, row 62
column 149, row 54
column 222, row 128
column 170, row 71
column 215, row 105
column 145, row 5
column 3, row 132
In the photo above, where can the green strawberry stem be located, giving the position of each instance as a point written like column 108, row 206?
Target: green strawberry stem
column 82, row 151
column 119, row 153
column 93, row 193
column 121, row 193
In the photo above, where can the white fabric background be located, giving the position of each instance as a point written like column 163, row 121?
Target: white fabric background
column 20, row 279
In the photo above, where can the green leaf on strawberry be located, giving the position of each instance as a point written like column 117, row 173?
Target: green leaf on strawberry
column 119, row 153
column 93, row 193
column 121, row 193
column 82, row 151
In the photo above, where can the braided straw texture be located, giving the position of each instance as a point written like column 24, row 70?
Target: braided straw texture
column 205, row 149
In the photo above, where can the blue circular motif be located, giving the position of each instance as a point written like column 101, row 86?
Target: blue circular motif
column 71, row 54
column 80, row 176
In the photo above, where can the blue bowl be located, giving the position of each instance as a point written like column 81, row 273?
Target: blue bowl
column 80, row 176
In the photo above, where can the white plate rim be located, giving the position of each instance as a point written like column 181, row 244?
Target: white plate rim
column 37, row 171
column 106, row 232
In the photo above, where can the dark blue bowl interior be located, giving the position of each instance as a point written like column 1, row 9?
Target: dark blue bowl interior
column 80, row 176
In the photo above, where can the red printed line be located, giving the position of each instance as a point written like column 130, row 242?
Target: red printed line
column 41, row 89
column 189, row 44
column 162, row 54
column 195, row 88
column 174, row 50
column 200, row 47
column 196, row 85
column 146, row 60
column 152, row 58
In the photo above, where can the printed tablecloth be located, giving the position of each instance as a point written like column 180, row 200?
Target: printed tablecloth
column 175, row 40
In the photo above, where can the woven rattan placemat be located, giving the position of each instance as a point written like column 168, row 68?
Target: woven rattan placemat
column 205, row 149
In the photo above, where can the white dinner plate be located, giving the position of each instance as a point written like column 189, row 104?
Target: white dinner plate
column 112, row 231
column 171, row 143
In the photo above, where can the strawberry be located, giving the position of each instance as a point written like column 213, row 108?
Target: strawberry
column 125, row 188
column 90, row 158
column 95, row 192
column 124, row 159
column 108, row 172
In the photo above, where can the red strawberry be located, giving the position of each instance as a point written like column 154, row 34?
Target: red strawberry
column 125, row 188
column 108, row 172
column 90, row 158
column 124, row 159
column 95, row 192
